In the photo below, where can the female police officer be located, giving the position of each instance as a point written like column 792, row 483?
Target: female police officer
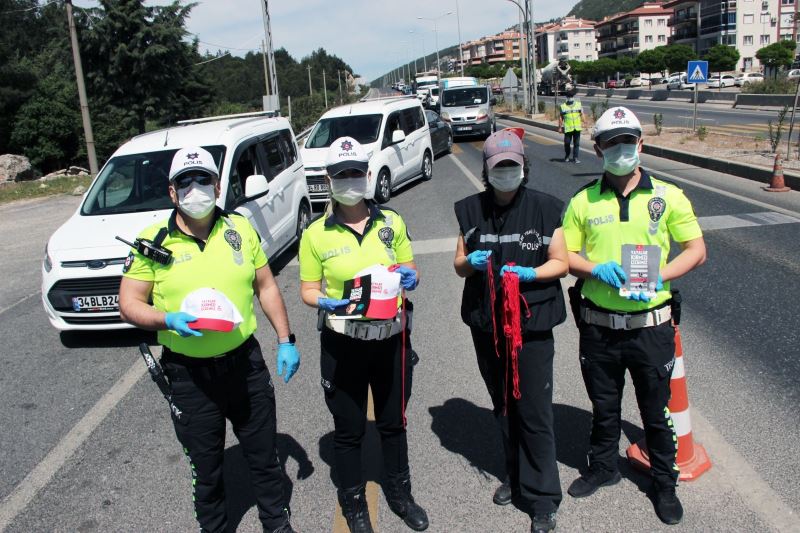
column 219, row 374
column 357, row 354
column 509, row 223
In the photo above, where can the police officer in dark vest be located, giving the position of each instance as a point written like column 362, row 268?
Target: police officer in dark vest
column 511, row 228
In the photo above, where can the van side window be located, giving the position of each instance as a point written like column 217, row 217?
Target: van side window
column 289, row 147
column 392, row 124
column 275, row 152
column 410, row 122
column 246, row 165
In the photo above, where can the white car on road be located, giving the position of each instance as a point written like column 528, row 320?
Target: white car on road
column 748, row 77
column 261, row 177
column 639, row 82
column 679, row 83
column 394, row 133
column 727, row 80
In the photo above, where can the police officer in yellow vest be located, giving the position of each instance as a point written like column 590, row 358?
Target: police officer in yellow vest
column 621, row 328
column 359, row 354
column 570, row 123
column 202, row 308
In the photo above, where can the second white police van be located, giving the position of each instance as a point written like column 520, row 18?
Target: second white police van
column 392, row 130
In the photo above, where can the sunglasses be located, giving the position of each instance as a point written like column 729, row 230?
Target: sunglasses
column 201, row 179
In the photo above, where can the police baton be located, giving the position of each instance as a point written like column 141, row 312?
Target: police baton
column 157, row 373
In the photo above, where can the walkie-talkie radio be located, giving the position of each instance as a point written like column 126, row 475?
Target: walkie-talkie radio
column 150, row 249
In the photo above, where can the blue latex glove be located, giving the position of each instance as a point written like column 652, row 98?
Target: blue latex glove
column 179, row 323
column 408, row 277
column 289, row 359
column 526, row 274
column 331, row 304
column 643, row 297
column 479, row 259
column 610, row 273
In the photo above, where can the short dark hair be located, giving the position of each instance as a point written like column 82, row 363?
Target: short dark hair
column 526, row 170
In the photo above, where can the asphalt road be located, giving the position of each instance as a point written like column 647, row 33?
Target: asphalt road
column 88, row 445
column 718, row 118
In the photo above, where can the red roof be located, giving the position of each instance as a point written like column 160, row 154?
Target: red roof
column 645, row 10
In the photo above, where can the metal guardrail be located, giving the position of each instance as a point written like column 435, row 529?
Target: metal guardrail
column 303, row 134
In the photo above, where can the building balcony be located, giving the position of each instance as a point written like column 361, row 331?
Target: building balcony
column 683, row 20
column 628, row 46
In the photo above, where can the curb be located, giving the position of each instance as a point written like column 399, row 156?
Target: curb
column 742, row 170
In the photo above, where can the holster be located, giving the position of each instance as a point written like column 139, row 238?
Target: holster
column 575, row 298
column 675, row 304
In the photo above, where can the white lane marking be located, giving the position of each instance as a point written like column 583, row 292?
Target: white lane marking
column 468, row 173
column 709, row 188
column 753, row 490
column 699, row 118
column 746, row 220
column 13, row 504
column 21, row 300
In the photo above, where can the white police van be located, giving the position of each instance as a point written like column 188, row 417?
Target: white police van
column 262, row 178
column 394, row 133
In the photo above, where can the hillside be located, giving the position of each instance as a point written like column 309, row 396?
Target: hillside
column 597, row 9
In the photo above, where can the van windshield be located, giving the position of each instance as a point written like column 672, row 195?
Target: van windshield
column 136, row 182
column 464, row 96
column 363, row 128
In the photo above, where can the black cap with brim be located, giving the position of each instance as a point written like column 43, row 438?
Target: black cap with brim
column 616, row 132
column 338, row 168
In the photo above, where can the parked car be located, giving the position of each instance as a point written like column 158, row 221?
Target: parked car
column 639, row 82
column 261, row 177
column 793, row 74
column 611, row 84
column 727, row 80
column 748, row 77
column 441, row 132
column 679, row 83
column 392, row 130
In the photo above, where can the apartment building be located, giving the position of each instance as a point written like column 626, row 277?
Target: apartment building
column 628, row 34
column 498, row 48
column 685, row 22
column 569, row 38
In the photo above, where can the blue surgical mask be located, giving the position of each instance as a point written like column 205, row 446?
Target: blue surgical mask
column 621, row 159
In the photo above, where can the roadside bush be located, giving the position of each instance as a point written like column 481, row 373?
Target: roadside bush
column 542, row 106
column 775, row 129
column 658, row 122
column 702, row 133
column 770, row 86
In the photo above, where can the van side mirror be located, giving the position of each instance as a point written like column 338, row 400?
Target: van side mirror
column 256, row 185
column 493, row 101
column 398, row 136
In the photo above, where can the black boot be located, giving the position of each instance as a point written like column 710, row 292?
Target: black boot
column 401, row 502
column 354, row 508
column 668, row 506
column 502, row 496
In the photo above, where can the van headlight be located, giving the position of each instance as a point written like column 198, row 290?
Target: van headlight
column 48, row 263
column 445, row 116
column 483, row 113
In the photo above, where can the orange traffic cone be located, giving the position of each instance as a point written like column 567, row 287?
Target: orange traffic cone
column 692, row 458
column 776, row 183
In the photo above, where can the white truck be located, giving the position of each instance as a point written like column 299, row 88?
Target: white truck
column 554, row 76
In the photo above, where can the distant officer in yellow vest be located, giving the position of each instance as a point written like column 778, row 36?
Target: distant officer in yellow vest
column 570, row 123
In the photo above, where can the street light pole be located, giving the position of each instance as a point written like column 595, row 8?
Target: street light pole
column 460, row 49
column 310, row 91
column 84, row 102
column 530, row 53
column 436, row 36
column 416, row 68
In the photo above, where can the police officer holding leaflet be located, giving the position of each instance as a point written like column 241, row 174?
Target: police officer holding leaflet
column 570, row 122
column 511, row 228
column 202, row 307
column 362, row 353
column 629, row 329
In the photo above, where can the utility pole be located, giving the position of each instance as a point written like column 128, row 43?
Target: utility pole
column 339, row 76
column 325, row 88
column 310, row 91
column 273, row 76
column 266, row 72
column 524, row 58
column 460, row 50
column 532, row 56
column 87, row 121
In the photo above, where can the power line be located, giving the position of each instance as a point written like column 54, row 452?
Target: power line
column 28, row 8
column 212, row 59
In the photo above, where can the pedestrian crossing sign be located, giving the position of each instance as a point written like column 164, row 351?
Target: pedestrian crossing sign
column 697, row 72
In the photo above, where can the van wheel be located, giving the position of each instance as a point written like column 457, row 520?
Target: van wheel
column 427, row 166
column 383, row 188
column 303, row 218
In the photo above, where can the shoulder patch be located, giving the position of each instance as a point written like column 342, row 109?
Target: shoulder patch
column 587, row 186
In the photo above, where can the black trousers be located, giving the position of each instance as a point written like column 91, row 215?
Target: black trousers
column 349, row 367
column 237, row 387
column 572, row 138
column 648, row 353
column 527, row 424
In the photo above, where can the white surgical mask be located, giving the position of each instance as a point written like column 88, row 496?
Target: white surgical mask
column 197, row 201
column 505, row 179
column 621, row 159
column 349, row 191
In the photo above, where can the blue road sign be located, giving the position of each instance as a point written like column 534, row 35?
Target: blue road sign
column 697, row 72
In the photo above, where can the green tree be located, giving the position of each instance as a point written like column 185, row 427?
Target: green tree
column 605, row 66
column 626, row 64
column 777, row 55
column 138, row 61
column 676, row 56
column 650, row 61
column 721, row 57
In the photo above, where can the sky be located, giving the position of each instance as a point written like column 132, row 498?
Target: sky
column 372, row 36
